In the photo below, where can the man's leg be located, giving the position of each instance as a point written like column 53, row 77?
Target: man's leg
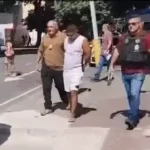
column 13, row 66
column 6, row 69
column 127, row 84
column 47, row 80
column 66, row 79
column 136, row 85
column 69, row 101
column 59, row 84
column 108, row 63
column 99, row 69
column 75, row 81
column 74, row 104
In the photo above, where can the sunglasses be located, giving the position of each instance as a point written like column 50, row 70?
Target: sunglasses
column 133, row 23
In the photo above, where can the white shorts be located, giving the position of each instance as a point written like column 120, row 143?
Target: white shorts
column 72, row 80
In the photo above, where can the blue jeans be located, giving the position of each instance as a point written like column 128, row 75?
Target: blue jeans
column 103, row 61
column 133, row 84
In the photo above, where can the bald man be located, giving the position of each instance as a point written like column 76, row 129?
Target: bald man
column 51, row 52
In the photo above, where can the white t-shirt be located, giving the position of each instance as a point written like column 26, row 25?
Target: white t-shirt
column 73, row 53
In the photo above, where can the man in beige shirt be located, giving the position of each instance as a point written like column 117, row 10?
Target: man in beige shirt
column 51, row 52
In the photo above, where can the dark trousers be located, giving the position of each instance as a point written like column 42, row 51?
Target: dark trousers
column 48, row 75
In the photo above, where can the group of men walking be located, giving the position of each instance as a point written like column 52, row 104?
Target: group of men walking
column 65, row 56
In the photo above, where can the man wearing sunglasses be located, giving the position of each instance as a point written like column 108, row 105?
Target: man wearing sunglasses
column 133, row 51
column 51, row 52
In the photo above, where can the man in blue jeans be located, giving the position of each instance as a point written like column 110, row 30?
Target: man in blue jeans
column 133, row 52
column 106, row 51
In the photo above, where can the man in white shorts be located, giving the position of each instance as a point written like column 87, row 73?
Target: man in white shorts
column 77, row 56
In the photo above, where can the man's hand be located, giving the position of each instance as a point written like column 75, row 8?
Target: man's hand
column 110, row 76
column 38, row 68
column 105, row 52
column 110, row 72
column 85, row 66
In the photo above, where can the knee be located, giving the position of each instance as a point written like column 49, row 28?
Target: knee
column 133, row 96
column 58, row 87
column 73, row 93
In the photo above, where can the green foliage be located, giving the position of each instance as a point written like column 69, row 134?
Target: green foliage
column 80, row 10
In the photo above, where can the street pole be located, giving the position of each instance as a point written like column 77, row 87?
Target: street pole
column 55, row 3
column 96, row 41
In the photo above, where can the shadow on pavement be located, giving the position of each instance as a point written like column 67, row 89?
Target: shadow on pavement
column 83, row 110
column 82, row 90
column 99, row 80
column 59, row 105
column 125, row 113
column 145, row 91
column 4, row 133
column 80, row 111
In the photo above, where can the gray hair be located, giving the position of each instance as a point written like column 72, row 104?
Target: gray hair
column 53, row 23
column 106, row 27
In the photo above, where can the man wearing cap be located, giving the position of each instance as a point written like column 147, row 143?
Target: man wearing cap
column 133, row 51
column 77, row 56
column 51, row 52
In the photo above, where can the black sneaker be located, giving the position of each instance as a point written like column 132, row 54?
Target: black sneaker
column 131, row 124
column 95, row 79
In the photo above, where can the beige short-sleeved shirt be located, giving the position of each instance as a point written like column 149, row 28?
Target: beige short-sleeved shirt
column 52, row 50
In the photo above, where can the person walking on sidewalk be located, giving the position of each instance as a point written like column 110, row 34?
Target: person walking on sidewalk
column 51, row 52
column 107, row 44
column 133, row 52
column 77, row 56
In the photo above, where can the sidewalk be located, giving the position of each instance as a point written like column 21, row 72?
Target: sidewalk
column 25, row 129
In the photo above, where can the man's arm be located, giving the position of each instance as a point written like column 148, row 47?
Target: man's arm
column 147, row 43
column 110, row 40
column 117, row 48
column 114, row 57
column 86, row 52
column 40, row 52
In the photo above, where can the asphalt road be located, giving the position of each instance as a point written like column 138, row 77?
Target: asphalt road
column 11, row 91
column 29, row 79
column 101, row 123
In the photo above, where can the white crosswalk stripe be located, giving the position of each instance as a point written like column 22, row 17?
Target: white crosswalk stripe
column 31, row 131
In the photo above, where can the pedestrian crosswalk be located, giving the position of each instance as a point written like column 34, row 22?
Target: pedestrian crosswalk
column 30, row 130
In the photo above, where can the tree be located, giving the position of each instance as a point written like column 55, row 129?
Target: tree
column 79, row 12
column 119, row 8
column 38, row 18
column 5, row 5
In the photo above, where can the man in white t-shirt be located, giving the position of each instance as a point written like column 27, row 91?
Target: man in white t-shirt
column 77, row 51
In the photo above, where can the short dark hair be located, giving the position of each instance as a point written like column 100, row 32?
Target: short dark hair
column 72, row 27
column 134, row 16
